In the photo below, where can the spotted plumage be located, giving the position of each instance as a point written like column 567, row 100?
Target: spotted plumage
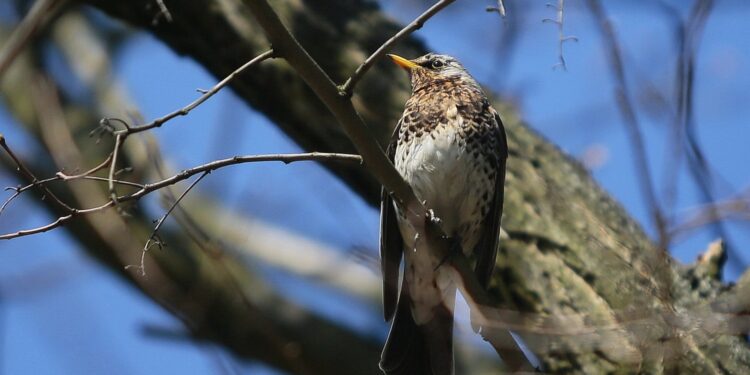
column 450, row 146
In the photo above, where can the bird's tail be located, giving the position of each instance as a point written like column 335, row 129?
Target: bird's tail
column 419, row 349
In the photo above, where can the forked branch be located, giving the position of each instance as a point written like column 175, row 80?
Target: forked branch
column 145, row 189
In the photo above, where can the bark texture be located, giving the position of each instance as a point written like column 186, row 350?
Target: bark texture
column 595, row 294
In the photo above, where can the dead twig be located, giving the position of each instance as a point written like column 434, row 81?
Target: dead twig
column 735, row 208
column 148, row 188
column 154, row 238
column 28, row 174
column 348, row 87
column 500, row 8
column 561, row 37
column 163, row 12
column 632, row 126
column 206, row 95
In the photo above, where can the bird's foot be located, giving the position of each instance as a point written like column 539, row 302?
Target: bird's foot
column 432, row 218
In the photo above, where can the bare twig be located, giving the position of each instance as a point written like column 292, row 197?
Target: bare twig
column 148, row 188
column 347, row 88
column 214, row 248
column 159, row 223
column 112, row 166
column 154, row 238
column 58, row 222
column 737, row 208
column 206, row 95
column 287, row 47
column 163, row 12
column 60, row 176
column 500, row 8
column 631, row 121
column 121, row 135
column 16, row 193
column 561, row 37
column 26, row 172
column 41, row 13
column 675, row 141
column 698, row 165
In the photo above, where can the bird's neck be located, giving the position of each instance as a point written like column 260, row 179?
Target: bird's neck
column 457, row 88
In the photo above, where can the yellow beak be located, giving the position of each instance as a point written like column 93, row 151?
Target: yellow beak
column 402, row 62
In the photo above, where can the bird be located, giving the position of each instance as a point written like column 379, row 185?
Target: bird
column 450, row 147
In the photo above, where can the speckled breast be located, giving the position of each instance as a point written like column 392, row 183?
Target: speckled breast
column 448, row 169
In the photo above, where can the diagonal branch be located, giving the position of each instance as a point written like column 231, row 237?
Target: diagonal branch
column 148, row 188
column 632, row 125
column 154, row 239
column 561, row 37
column 288, row 47
column 376, row 161
column 41, row 13
column 206, row 95
column 348, row 87
column 30, row 175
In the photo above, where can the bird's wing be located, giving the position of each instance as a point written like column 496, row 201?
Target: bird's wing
column 391, row 243
column 486, row 250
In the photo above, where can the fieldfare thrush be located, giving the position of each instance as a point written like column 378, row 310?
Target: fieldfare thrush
column 450, row 146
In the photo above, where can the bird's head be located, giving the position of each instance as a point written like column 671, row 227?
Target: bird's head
column 433, row 68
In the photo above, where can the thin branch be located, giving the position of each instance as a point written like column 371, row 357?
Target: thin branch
column 60, row 176
column 286, row 46
column 16, row 193
column 207, row 94
column 154, row 238
column 58, row 222
column 348, row 87
column 500, row 8
column 698, row 165
column 112, row 166
column 20, row 166
column 561, row 37
column 154, row 233
column 631, row 121
column 107, row 125
column 214, row 248
column 163, row 12
column 204, row 168
column 737, row 208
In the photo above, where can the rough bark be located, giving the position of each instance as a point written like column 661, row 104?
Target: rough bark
column 572, row 251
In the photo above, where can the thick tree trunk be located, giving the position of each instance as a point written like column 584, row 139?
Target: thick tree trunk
column 594, row 292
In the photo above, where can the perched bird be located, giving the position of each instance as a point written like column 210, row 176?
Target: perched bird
column 450, row 146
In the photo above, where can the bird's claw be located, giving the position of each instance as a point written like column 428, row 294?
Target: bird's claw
column 432, row 218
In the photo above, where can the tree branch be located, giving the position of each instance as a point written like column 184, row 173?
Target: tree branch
column 150, row 187
column 348, row 87
column 40, row 14
column 622, row 95
column 206, row 95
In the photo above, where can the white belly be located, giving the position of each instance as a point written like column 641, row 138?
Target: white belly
column 448, row 179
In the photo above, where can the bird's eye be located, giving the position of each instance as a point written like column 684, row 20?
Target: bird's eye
column 437, row 64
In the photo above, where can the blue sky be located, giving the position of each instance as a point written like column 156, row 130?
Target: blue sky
column 52, row 296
